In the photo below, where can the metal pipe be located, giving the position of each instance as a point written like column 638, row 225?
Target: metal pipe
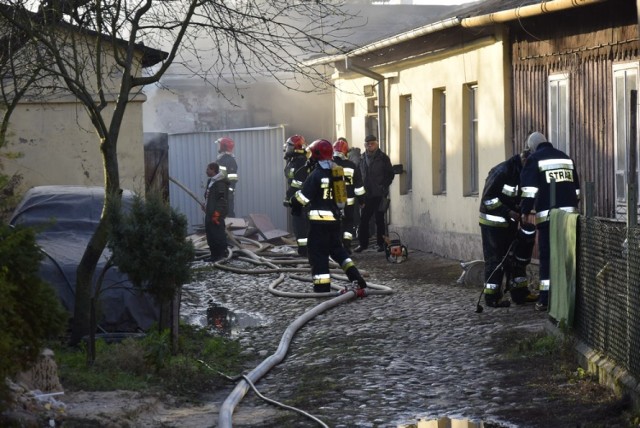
column 382, row 113
column 524, row 12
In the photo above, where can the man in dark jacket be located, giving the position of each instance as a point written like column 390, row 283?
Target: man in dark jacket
column 377, row 175
column 545, row 165
column 216, row 209
column 318, row 194
column 499, row 218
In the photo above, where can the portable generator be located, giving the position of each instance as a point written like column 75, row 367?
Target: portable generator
column 394, row 250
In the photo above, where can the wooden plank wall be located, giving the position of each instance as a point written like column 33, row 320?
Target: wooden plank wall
column 586, row 49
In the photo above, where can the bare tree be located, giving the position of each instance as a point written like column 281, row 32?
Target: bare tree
column 97, row 50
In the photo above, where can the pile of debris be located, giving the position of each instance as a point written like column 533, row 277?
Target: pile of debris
column 242, row 232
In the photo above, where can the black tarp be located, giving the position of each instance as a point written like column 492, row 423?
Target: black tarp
column 65, row 218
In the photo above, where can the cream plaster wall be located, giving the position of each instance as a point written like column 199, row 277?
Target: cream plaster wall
column 444, row 224
column 58, row 145
column 56, row 141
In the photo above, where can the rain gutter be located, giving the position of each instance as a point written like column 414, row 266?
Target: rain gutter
column 524, row 12
column 384, row 43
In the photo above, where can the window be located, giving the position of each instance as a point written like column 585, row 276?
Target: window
column 559, row 111
column 625, row 79
column 470, row 150
column 439, row 142
column 349, row 113
column 405, row 144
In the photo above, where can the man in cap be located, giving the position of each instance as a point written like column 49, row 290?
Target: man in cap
column 377, row 175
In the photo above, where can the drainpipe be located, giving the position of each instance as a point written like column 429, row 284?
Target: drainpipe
column 524, row 12
column 382, row 112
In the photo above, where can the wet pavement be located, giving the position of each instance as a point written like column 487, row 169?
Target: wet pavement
column 419, row 353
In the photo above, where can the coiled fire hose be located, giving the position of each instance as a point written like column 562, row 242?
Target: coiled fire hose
column 341, row 295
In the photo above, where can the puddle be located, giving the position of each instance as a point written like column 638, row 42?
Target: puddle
column 454, row 423
column 228, row 323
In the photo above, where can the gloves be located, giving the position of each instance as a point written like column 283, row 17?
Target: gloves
column 215, row 218
column 296, row 208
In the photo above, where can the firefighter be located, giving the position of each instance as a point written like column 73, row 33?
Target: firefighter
column 355, row 189
column 229, row 167
column 546, row 165
column 216, row 210
column 499, row 219
column 319, row 193
column 296, row 171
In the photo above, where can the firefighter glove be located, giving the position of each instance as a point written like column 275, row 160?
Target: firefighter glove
column 296, row 207
column 215, row 218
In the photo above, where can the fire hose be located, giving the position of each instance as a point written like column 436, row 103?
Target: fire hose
column 341, row 295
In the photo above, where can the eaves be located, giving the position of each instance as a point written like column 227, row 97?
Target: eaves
column 482, row 15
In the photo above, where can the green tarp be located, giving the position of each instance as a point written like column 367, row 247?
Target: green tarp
column 562, row 238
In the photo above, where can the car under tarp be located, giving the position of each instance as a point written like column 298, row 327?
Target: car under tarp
column 65, row 218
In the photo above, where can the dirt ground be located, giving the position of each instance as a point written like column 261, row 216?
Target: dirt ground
column 572, row 395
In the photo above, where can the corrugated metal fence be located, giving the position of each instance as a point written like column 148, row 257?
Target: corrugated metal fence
column 261, row 184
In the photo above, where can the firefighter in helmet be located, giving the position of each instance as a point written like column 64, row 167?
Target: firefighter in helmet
column 229, row 167
column 499, row 219
column 323, row 193
column 296, row 171
column 355, row 189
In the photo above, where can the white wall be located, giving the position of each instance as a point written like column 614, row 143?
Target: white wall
column 445, row 224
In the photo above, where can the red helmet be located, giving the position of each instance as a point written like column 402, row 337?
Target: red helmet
column 321, row 150
column 225, row 144
column 295, row 143
column 341, row 146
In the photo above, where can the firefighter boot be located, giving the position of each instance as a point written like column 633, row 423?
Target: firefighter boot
column 302, row 251
column 494, row 300
column 346, row 243
column 519, row 290
column 354, row 276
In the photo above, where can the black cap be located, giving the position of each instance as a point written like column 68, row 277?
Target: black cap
column 370, row 137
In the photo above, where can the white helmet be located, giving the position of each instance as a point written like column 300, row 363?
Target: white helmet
column 534, row 140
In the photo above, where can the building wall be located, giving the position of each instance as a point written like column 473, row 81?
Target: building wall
column 598, row 40
column 444, row 224
column 57, row 144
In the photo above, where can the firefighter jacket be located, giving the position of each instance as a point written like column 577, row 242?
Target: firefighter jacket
column 377, row 173
column 317, row 194
column 217, row 196
column 501, row 193
column 295, row 171
column 543, row 166
column 229, row 167
column 352, row 178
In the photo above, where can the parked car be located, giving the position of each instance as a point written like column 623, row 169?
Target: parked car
column 65, row 218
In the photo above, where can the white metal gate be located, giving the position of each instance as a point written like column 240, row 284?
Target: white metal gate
column 261, row 184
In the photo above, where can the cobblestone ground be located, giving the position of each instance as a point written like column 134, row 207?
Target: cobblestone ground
column 422, row 352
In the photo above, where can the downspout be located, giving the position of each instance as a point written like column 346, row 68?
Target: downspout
column 382, row 112
column 524, row 12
